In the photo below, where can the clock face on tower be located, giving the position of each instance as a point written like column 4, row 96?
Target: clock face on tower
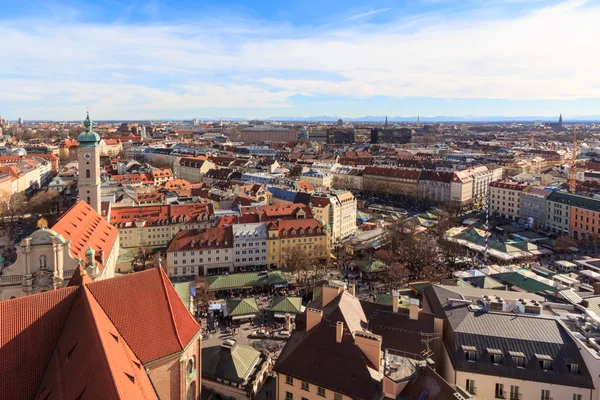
column 87, row 156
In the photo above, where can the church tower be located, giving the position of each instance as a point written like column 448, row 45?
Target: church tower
column 89, row 166
column 560, row 123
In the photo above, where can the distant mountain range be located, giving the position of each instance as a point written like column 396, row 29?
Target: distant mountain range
column 438, row 118
column 381, row 118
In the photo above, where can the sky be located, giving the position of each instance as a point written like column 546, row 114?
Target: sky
column 153, row 59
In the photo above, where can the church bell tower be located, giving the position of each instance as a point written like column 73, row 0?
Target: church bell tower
column 89, row 166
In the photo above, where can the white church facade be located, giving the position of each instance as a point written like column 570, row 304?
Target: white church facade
column 48, row 258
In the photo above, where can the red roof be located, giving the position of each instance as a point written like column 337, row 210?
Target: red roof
column 283, row 211
column 89, row 338
column 160, row 214
column 155, row 327
column 392, row 173
column 176, row 184
column 30, row 328
column 84, row 227
column 220, row 237
column 293, row 227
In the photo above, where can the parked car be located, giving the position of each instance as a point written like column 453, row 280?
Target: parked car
column 282, row 334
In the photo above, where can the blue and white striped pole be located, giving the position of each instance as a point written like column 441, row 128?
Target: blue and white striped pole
column 487, row 224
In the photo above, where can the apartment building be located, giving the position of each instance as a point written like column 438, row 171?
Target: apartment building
column 317, row 178
column 201, row 252
column 250, row 246
column 584, row 220
column 307, row 234
column 435, row 185
column 161, row 176
column 110, row 147
column 533, row 206
column 337, row 209
column 393, row 181
column 347, row 178
column 192, row 169
column 502, row 344
column 558, row 206
column 346, row 349
column 155, row 225
column 505, row 199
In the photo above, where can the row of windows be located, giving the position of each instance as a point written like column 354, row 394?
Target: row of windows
column 257, row 251
column 193, row 261
column 514, row 394
column 250, row 244
column 306, row 386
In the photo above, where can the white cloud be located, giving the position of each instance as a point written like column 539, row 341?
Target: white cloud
column 551, row 53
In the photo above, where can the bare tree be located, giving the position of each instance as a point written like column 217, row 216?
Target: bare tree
column 564, row 242
column 203, row 295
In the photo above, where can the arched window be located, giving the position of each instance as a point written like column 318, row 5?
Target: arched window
column 87, row 173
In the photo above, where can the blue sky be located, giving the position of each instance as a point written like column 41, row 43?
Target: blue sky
column 260, row 59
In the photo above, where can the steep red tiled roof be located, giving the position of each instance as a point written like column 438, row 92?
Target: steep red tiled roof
column 320, row 202
column 176, row 184
column 219, row 237
column 392, row 173
column 90, row 339
column 160, row 214
column 296, row 225
column 155, row 327
column 30, row 328
column 284, row 211
column 84, row 227
column 103, row 333
column 307, row 187
column 80, row 276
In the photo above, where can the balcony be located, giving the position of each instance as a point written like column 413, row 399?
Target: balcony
column 472, row 390
column 515, row 396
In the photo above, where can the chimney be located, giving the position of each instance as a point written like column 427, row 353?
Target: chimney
column 352, row 289
column 596, row 287
column 413, row 309
column 339, row 331
column 370, row 345
column 329, row 293
column 395, row 301
column 313, row 317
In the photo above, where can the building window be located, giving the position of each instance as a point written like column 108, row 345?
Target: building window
column 546, row 365
column 289, row 380
column 470, row 386
column 321, row 391
column 87, row 173
column 289, row 396
column 514, row 393
column 577, row 396
column 573, row 368
column 519, row 361
column 471, row 355
column 499, row 393
column 305, row 386
column 545, row 394
column 337, row 396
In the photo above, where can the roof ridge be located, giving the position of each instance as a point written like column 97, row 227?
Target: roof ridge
column 162, row 278
column 87, row 293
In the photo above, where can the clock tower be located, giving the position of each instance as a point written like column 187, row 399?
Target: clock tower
column 89, row 166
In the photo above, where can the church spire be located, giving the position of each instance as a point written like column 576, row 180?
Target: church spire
column 386, row 122
column 560, row 120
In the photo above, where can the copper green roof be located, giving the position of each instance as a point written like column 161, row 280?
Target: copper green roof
column 233, row 365
column 286, row 304
column 242, row 307
column 246, row 280
column 524, row 282
column 88, row 138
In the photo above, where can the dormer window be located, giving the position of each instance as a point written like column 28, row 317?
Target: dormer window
column 302, row 231
column 217, row 243
column 573, row 368
column 470, row 353
column 495, row 356
column 310, row 231
column 208, row 243
column 284, row 233
column 293, row 231
column 518, row 358
column 545, row 361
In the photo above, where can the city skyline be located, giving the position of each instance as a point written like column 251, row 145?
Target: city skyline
column 149, row 60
